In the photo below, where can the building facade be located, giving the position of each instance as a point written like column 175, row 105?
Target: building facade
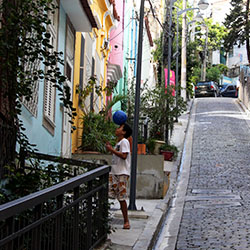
column 44, row 117
column 92, row 60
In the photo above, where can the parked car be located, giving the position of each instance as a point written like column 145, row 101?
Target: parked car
column 223, row 86
column 208, row 88
column 229, row 90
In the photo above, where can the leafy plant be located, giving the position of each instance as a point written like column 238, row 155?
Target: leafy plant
column 97, row 126
column 238, row 24
column 150, row 144
column 97, row 130
column 36, row 176
column 159, row 105
column 170, row 148
column 26, row 56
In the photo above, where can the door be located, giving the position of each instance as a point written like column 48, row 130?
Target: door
column 69, row 63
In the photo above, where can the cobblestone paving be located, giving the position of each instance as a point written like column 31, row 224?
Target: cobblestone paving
column 219, row 216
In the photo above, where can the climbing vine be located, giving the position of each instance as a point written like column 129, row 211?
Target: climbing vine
column 26, row 57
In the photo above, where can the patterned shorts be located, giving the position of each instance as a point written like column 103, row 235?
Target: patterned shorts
column 118, row 187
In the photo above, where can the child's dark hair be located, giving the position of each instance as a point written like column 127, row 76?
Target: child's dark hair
column 127, row 129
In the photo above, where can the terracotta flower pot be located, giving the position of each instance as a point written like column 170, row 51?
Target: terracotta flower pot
column 141, row 149
column 168, row 155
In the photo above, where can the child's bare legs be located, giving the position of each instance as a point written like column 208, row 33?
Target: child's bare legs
column 124, row 209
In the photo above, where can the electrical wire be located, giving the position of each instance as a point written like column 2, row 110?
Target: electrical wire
column 121, row 31
column 153, row 12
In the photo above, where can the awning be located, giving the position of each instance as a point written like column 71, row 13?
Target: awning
column 114, row 72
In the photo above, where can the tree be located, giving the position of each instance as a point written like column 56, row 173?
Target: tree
column 195, row 50
column 26, row 57
column 214, row 72
column 238, row 24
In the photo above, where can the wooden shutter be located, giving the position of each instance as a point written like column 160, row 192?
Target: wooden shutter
column 49, row 89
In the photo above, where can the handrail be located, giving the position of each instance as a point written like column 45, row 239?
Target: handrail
column 13, row 207
column 60, row 159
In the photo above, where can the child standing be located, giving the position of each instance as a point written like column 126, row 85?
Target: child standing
column 120, row 169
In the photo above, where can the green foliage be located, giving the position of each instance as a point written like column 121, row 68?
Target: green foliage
column 150, row 144
column 97, row 127
column 213, row 74
column 26, row 56
column 157, row 53
column 171, row 148
column 168, row 147
column 111, row 103
column 20, row 182
column 193, row 65
column 237, row 23
column 159, row 105
column 97, row 130
column 216, row 35
column 97, row 91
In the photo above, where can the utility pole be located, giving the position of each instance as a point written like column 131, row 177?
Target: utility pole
column 132, row 205
column 164, row 41
column 184, row 54
column 165, row 56
column 167, row 51
column 205, row 57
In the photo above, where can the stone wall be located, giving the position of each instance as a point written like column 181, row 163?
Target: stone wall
column 151, row 180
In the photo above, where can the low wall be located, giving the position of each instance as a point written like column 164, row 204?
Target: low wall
column 244, row 90
column 151, row 180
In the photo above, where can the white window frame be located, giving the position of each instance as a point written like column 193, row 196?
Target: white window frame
column 49, row 89
column 69, row 60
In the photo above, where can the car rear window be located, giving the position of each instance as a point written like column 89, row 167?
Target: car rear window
column 203, row 83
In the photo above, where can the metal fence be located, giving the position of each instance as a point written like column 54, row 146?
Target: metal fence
column 69, row 215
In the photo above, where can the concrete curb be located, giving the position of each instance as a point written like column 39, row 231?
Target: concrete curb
column 244, row 110
column 149, row 235
column 243, row 107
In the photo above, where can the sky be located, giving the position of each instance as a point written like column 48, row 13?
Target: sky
column 219, row 8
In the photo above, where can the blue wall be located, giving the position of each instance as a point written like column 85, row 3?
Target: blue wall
column 36, row 132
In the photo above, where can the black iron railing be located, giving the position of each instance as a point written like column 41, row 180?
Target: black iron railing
column 69, row 215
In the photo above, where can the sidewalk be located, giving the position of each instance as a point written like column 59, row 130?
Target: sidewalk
column 147, row 220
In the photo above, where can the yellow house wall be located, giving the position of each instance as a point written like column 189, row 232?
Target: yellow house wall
column 76, row 136
column 100, row 8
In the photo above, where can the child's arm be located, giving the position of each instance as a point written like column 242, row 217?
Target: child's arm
column 117, row 153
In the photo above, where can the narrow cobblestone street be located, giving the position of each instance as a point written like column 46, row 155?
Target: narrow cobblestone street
column 216, row 204
column 217, row 208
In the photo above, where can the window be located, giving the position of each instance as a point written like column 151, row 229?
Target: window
column 32, row 104
column 81, row 77
column 69, row 65
column 49, row 89
column 88, row 68
column 92, row 94
column 30, row 68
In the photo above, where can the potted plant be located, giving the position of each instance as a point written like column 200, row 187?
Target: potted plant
column 159, row 106
column 169, row 152
column 97, row 126
column 150, row 144
column 97, row 130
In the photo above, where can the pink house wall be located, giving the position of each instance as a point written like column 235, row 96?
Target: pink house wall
column 116, row 37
